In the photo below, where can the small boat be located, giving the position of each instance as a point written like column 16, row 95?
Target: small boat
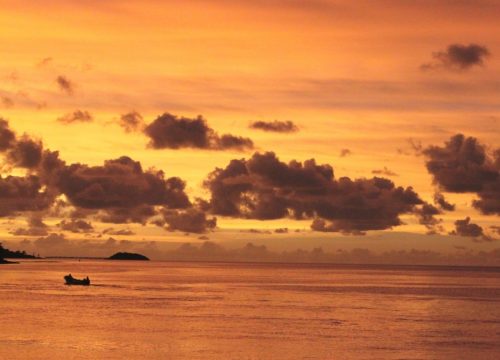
column 70, row 280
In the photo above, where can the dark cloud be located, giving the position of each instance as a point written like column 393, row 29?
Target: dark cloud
column 345, row 152
column 190, row 220
column 76, row 116
column 121, row 188
column 228, row 141
column 119, row 232
column 385, row 171
column 458, row 57
column 263, row 187
column 65, row 85
column 440, row 200
column 76, row 226
column 466, row 228
column 119, row 191
column 123, row 215
column 426, row 216
column 20, row 194
column 36, row 227
column 26, row 153
column 170, row 131
column 275, row 126
column 131, row 121
column 7, row 135
column 462, row 165
column 256, row 231
column 21, row 151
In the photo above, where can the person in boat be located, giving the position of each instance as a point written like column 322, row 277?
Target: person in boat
column 70, row 280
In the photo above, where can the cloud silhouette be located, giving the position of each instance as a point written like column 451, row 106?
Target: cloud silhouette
column 275, row 126
column 119, row 191
column 65, row 85
column 345, row 152
column 120, row 188
column 265, row 188
column 458, row 57
column 426, row 216
column 385, row 171
column 191, row 220
column 76, row 116
column 7, row 135
column 172, row 132
column 466, row 228
column 462, row 165
column 36, row 227
column 76, row 226
column 440, row 200
column 131, row 121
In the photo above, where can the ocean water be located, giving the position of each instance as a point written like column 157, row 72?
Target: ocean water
column 162, row 310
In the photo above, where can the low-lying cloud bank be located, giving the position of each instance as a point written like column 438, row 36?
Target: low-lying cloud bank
column 264, row 188
column 58, row 245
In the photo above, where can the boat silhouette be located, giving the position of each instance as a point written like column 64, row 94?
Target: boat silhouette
column 70, row 280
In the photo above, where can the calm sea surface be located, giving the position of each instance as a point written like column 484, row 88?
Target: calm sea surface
column 161, row 310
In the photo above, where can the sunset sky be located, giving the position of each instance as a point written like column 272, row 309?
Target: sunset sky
column 376, row 91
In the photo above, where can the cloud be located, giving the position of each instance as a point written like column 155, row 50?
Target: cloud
column 36, row 227
column 119, row 232
column 65, row 85
column 45, row 62
column 7, row 135
column 426, row 216
column 131, row 121
column 466, row 228
column 76, row 116
column 265, row 188
column 385, row 171
column 76, row 226
column 19, row 194
column 21, row 151
column 119, row 191
column 440, row 200
column 190, row 220
column 345, row 152
column 172, row 132
column 458, row 57
column 26, row 153
column 462, row 165
column 51, row 241
column 121, row 188
column 275, row 126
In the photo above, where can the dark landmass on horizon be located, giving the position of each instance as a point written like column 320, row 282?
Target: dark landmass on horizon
column 128, row 256
column 6, row 253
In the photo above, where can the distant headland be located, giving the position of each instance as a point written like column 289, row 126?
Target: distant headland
column 6, row 253
column 128, row 256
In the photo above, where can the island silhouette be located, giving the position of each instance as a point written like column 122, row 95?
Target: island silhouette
column 128, row 256
column 6, row 253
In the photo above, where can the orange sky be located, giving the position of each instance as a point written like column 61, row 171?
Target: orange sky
column 348, row 74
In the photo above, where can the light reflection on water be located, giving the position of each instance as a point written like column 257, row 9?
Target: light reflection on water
column 159, row 310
